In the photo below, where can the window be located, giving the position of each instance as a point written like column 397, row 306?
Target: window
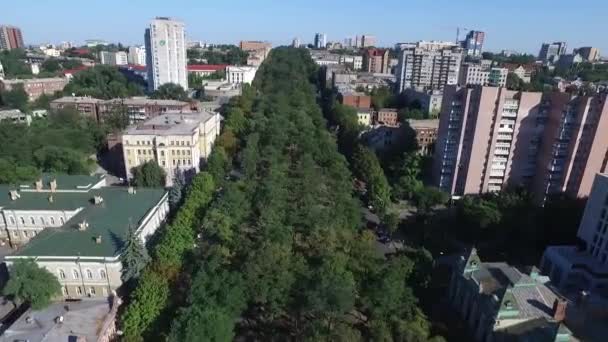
column 52, row 220
column 92, row 291
column 22, row 219
column 25, row 233
column 89, row 274
column 61, row 220
column 12, row 219
column 64, row 290
column 32, row 221
column 102, row 274
column 79, row 290
column 42, row 221
column 162, row 153
column 61, row 274
column 15, row 233
column 75, row 274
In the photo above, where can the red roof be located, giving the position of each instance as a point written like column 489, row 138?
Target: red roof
column 206, row 67
column 136, row 67
column 75, row 70
column 81, row 51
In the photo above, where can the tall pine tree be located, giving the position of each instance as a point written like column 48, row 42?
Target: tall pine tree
column 176, row 191
column 134, row 256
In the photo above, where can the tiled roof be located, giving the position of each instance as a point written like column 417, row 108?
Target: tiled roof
column 206, row 67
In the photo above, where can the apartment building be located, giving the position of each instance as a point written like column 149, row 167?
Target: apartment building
column 166, row 53
column 426, row 134
column 376, row 61
column 36, row 86
column 137, row 108
column 550, row 52
column 172, row 140
column 428, row 66
column 574, row 144
column 430, row 101
column 354, row 99
column 477, row 74
column 589, row 54
column 584, row 267
column 487, row 138
column 10, row 38
column 137, row 55
column 490, row 137
column 364, row 116
column 473, row 43
column 74, row 226
column 320, row 40
column 255, row 47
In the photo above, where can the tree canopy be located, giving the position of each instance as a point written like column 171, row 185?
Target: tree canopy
column 31, row 284
column 102, row 82
column 149, row 175
column 170, row 91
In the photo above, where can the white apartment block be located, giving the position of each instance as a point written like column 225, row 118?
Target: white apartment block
column 428, row 66
column 477, row 74
column 120, row 58
column 172, row 140
column 137, row 55
column 240, row 74
column 166, row 53
column 73, row 226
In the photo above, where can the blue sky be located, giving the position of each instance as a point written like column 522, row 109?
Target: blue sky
column 512, row 24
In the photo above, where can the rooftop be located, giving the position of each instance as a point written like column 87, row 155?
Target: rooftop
column 76, row 100
column 32, row 80
column 110, row 220
column 84, row 318
column 171, row 124
column 206, row 67
column 425, row 123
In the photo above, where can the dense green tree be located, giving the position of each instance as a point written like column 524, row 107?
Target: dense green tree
column 15, row 98
column 367, row 168
column 51, row 65
column 170, row 91
column 31, row 284
column 102, row 82
column 177, row 189
column 117, row 119
column 149, row 175
column 13, row 63
column 133, row 257
column 411, row 113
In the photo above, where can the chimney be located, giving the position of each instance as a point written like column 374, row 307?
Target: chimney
column 51, row 199
column 14, row 195
column 559, row 310
column 98, row 239
column 39, row 185
column 97, row 200
column 53, row 185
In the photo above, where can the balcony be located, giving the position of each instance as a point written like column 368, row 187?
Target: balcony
column 500, row 152
column 497, row 174
column 507, row 137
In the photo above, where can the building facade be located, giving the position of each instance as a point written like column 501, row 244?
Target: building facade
column 71, row 224
column 137, row 55
column 430, row 101
column 487, row 138
column 476, row 74
column 473, row 43
column 320, row 41
column 166, row 53
column 376, row 61
column 589, row 54
column 36, row 86
column 388, row 116
column 240, row 74
column 10, row 38
column 428, row 66
column 426, row 134
column 174, row 141
column 550, row 52
column 490, row 137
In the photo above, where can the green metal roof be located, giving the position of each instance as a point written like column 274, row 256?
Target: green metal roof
column 110, row 220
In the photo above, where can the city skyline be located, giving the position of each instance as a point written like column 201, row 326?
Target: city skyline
column 207, row 22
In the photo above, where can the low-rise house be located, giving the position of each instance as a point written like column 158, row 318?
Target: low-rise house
column 75, row 227
column 205, row 69
column 499, row 302
column 172, row 140
column 240, row 74
column 86, row 106
column 35, row 87
column 15, row 116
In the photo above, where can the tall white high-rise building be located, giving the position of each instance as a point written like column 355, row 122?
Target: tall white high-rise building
column 120, row 58
column 166, row 53
column 320, row 40
column 137, row 55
